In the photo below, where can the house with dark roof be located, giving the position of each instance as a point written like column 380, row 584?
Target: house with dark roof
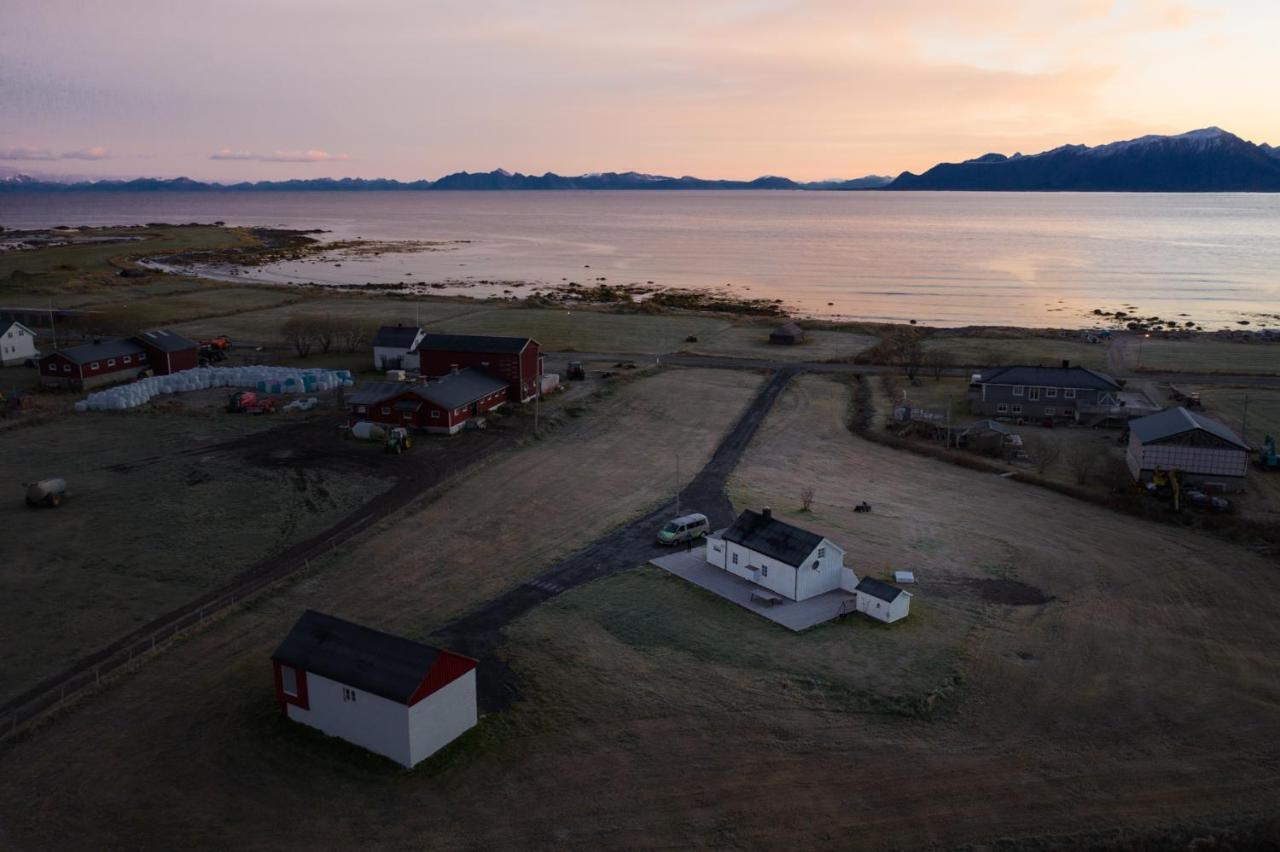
column 443, row 405
column 104, row 362
column 1042, row 393
column 392, row 346
column 1202, row 450
column 393, row 696
column 787, row 335
column 882, row 601
column 778, row 556
column 515, row 360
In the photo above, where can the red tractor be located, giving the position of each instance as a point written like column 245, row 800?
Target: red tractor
column 248, row 402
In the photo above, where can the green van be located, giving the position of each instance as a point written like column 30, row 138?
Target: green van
column 682, row 529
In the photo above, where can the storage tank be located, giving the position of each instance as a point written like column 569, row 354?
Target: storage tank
column 47, row 491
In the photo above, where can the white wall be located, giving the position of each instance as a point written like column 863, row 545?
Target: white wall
column 371, row 721
column 16, row 348
column 886, row 612
column 715, row 551
column 779, row 578
column 826, row 577
column 801, row 584
column 442, row 717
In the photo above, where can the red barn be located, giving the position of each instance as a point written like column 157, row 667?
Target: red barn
column 444, row 405
column 106, row 362
column 515, row 360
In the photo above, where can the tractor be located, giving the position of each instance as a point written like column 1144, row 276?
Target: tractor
column 395, row 439
column 248, row 402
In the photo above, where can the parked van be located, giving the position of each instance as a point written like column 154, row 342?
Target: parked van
column 684, row 529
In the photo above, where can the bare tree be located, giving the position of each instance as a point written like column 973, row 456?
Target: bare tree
column 299, row 332
column 354, row 335
column 902, row 347
column 1041, row 450
column 806, row 499
column 325, row 330
column 937, row 360
column 1082, row 460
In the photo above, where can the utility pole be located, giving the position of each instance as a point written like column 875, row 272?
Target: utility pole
column 677, row 483
column 52, row 331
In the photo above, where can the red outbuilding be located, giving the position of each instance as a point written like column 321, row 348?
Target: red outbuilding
column 515, row 360
column 444, row 405
column 106, row 362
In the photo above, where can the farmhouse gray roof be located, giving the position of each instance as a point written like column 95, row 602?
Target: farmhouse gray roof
column 1177, row 421
column 87, row 353
column 396, row 336
column 165, row 340
column 879, row 589
column 452, row 391
column 472, row 343
column 1049, row 377
column 360, row 657
column 773, row 538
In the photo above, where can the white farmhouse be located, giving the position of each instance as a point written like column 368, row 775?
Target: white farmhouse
column 784, row 559
column 393, row 696
column 882, row 601
column 1201, row 450
column 394, row 345
column 17, row 344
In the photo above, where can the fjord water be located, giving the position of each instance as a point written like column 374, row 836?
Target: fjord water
column 939, row 258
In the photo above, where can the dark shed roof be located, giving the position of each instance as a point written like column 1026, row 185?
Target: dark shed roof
column 461, row 388
column 396, row 336
column 165, row 340
column 776, row 539
column 473, row 343
column 1050, row 377
column 790, row 329
column 1177, row 421
column 357, row 656
column 879, row 589
column 89, row 352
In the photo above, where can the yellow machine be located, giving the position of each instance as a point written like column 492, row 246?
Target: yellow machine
column 1169, row 479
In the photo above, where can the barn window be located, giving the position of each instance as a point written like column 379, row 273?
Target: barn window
column 435, row 415
column 111, row 362
column 289, row 680
column 53, row 368
column 127, row 359
column 93, row 366
column 386, row 409
column 66, row 368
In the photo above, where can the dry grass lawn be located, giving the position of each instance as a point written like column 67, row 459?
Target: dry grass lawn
column 751, row 340
column 980, row 352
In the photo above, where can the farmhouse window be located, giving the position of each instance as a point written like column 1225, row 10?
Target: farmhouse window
column 111, row 362
column 127, row 359
column 1050, row 393
column 822, row 552
column 764, row 570
column 289, row 680
column 1033, row 394
column 53, row 368
column 735, row 559
column 1069, row 393
column 1017, row 409
column 348, row 694
column 1002, row 408
column 66, row 368
column 93, row 366
column 1017, row 391
column 435, row 415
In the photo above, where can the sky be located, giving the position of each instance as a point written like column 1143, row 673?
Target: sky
column 810, row 89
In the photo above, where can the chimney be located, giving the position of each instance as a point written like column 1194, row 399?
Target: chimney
column 1066, row 363
column 767, row 514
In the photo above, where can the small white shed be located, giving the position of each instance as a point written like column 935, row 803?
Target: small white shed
column 390, row 695
column 17, row 344
column 882, row 601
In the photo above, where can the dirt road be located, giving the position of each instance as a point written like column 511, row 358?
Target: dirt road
column 480, row 632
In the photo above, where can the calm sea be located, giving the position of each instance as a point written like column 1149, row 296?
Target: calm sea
column 938, row 258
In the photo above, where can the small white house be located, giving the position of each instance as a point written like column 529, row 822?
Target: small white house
column 394, row 345
column 17, row 344
column 882, row 601
column 393, row 696
column 782, row 558
column 1201, row 449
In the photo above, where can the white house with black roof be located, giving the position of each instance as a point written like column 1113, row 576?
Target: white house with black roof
column 882, row 601
column 393, row 347
column 390, row 695
column 789, row 561
column 1199, row 448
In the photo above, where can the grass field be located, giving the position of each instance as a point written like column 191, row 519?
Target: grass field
column 981, row 352
column 1205, row 356
column 164, row 506
column 751, row 340
column 1261, row 418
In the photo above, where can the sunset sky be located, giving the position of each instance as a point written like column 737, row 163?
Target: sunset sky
column 261, row 89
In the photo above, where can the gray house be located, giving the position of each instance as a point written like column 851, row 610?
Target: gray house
column 1043, row 393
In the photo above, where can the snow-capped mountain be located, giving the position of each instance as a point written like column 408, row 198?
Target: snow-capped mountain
column 1205, row 160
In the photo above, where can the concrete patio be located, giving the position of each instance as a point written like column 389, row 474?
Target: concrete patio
column 794, row 615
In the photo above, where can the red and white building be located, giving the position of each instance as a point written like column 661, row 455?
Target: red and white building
column 105, row 362
column 444, row 405
column 515, row 360
column 393, row 696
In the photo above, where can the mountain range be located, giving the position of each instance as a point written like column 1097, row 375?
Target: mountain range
column 1206, row 160
column 499, row 179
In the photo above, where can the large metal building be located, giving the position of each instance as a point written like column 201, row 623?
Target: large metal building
column 1202, row 451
